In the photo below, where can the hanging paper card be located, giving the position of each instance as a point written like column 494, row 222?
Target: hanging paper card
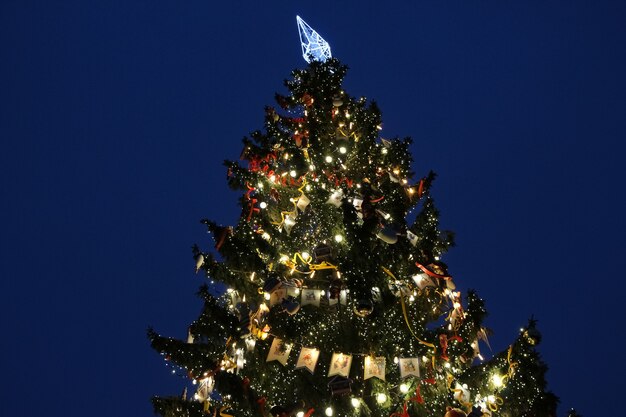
column 279, row 351
column 377, row 297
column 340, row 364
column 277, row 296
column 422, row 281
column 409, row 366
column 335, row 198
column 288, row 223
column 343, row 297
column 413, row 238
column 374, row 367
column 303, row 201
column 462, row 394
column 310, row 296
column 308, row 359
column 293, row 291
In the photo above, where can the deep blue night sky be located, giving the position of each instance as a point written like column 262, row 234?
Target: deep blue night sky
column 115, row 118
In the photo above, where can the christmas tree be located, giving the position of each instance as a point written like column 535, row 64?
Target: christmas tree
column 337, row 301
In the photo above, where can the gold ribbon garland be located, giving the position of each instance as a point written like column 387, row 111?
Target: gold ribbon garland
column 406, row 319
column 512, row 366
column 294, row 201
column 495, row 404
column 292, row 264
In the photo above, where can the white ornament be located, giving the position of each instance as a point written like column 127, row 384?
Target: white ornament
column 336, row 198
column 199, row 261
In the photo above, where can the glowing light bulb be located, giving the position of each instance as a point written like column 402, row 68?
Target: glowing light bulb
column 329, row 159
column 381, row 397
column 311, row 167
column 267, row 296
column 396, row 360
column 306, row 256
column 329, row 411
column 355, row 402
column 404, row 388
column 262, row 204
column 265, row 236
column 343, row 149
column 497, row 380
column 300, row 414
column 384, row 151
column 293, row 173
column 338, row 238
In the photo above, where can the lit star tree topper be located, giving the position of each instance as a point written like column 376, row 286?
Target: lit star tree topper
column 314, row 47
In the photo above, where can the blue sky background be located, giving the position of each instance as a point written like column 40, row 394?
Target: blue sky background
column 115, row 117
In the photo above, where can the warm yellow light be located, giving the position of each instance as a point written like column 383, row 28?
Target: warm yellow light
column 381, row 397
column 300, row 414
column 329, row 411
column 293, row 173
column 306, row 256
column 343, row 149
column 355, row 402
column 262, row 204
column 329, row 159
column 496, row 380
column 404, row 388
column 338, row 238
column 267, row 296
